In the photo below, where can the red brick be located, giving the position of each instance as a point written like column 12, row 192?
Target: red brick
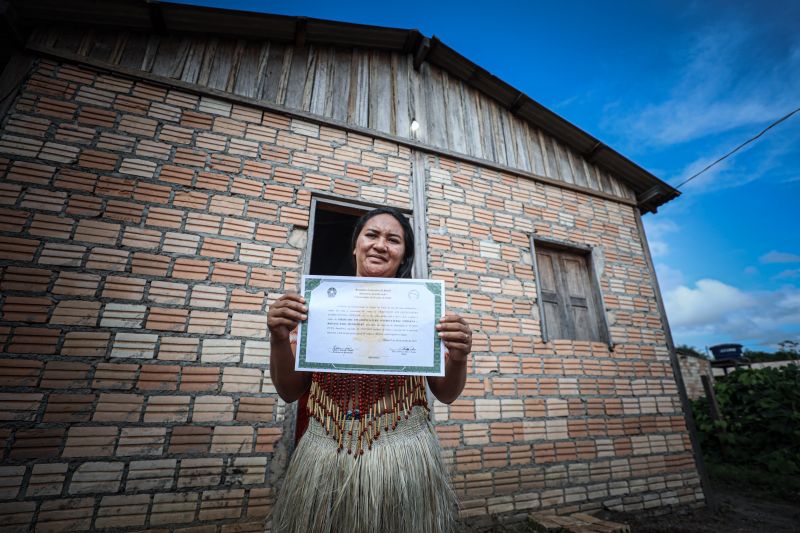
column 124, row 211
column 255, row 409
column 229, row 273
column 266, row 439
column 85, row 343
column 124, row 288
column 75, row 180
column 190, row 200
column 177, row 175
column 164, row 218
column 207, row 322
column 247, row 301
column 76, row 284
column 213, row 181
column 190, row 439
column 167, row 319
column 159, row 377
column 47, row 479
column 13, row 220
column 76, row 313
column 98, row 160
column 26, row 308
column 19, row 406
column 167, row 409
column 65, row 515
column 34, row 340
column 218, row 248
column 271, row 233
column 115, row 187
column 199, row 378
column 84, row 205
column 190, row 269
column 149, row 264
column 234, row 227
column 37, row 443
column 20, row 372
column 93, row 116
column 152, row 193
column 51, row 226
column 69, row 408
column 265, row 278
column 115, row 376
column 122, row 511
column 15, row 249
column 118, row 408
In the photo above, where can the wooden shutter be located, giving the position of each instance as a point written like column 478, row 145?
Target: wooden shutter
column 569, row 302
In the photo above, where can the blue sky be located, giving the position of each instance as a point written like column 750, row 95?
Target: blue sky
column 673, row 85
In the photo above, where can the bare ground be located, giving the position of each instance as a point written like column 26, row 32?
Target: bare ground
column 735, row 512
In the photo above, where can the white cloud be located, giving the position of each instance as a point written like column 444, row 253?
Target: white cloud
column 659, row 248
column 712, row 312
column 720, row 88
column 656, row 230
column 706, row 303
column 788, row 274
column 775, row 256
column 668, row 278
column 726, row 83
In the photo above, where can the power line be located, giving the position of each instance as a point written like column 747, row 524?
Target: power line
column 748, row 141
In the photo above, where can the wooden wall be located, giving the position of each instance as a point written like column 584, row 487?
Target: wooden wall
column 368, row 88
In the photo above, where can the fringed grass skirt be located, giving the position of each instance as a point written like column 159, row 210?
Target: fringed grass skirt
column 399, row 486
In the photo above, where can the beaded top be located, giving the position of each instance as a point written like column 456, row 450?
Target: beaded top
column 355, row 408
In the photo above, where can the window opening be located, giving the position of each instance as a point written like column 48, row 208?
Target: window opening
column 569, row 296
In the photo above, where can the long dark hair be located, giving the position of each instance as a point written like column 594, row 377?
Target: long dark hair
column 404, row 270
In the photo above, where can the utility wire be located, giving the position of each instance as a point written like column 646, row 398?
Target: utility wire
column 748, row 141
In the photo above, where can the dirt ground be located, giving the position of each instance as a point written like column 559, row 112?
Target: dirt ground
column 736, row 512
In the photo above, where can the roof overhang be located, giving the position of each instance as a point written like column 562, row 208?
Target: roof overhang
column 20, row 16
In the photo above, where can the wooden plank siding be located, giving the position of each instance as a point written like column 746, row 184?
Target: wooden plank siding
column 374, row 89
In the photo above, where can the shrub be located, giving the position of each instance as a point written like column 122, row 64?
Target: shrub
column 760, row 419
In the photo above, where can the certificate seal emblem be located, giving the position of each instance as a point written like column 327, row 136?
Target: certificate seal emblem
column 413, row 294
column 331, row 292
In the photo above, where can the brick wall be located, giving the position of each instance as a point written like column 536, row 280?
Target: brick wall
column 144, row 231
column 568, row 424
column 692, row 368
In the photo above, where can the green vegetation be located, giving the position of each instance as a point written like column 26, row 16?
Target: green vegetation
column 691, row 351
column 787, row 351
column 757, row 438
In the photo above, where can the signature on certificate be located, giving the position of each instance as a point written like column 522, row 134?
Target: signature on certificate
column 341, row 349
column 403, row 349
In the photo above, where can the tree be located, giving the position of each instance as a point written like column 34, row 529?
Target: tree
column 689, row 351
column 789, row 346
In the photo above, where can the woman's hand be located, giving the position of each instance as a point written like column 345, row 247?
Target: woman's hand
column 456, row 336
column 282, row 318
column 284, row 315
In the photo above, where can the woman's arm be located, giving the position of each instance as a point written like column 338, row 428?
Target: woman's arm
column 282, row 318
column 457, row 337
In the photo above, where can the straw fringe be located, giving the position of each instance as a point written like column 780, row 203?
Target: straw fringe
column 400, row 486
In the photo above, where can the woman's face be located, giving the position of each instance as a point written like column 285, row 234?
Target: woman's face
column 379, row 247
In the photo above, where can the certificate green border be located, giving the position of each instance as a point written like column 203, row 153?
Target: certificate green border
column 435, row 288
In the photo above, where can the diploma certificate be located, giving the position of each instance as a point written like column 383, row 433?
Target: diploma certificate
column 371, row 326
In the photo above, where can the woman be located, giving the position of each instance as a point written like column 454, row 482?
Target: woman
column 391, row 478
